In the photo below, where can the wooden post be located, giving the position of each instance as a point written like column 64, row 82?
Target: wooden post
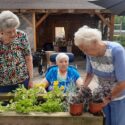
column 111, row 27
column 102, row 18
column 109, row 23
column 34, row 29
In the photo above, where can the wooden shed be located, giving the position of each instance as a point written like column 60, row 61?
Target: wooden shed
column 46, row 21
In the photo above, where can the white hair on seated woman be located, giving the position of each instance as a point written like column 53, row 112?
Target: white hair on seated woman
column 62, row 56
column 87, row 35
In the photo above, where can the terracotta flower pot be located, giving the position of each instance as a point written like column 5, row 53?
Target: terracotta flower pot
column 76, row 109
column 95, row 107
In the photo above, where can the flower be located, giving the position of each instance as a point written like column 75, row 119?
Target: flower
column 56, row 83
column 38, row 85
column 62, row 88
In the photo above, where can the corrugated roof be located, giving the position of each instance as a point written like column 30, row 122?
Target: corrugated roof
column 47, row 4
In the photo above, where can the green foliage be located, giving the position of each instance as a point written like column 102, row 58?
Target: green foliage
column 56, row 94
column 2, row 108
column 120, row 39
column 52, row 106
column 120, row 20
column 54, row 101
column 100, row 93
column 77, row 95
column 26, row 101
column 24, row 106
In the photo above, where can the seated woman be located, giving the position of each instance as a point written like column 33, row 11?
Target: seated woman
column 62, row 73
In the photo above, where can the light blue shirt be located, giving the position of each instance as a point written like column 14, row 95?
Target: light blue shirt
column 111, row 66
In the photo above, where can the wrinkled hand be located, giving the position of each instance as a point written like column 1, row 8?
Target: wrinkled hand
column 106, row 100
column 30, row 85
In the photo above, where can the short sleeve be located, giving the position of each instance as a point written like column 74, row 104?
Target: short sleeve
column 51, row 75
column 73, row 74
column 22, row 37
column 119, row 63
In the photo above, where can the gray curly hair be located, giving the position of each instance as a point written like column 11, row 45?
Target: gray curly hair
column 8, row 20
column 87, row 35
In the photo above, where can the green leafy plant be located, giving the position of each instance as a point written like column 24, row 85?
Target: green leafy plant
column 78, row 95
column 120, row 39
column 54, row 101
column 100, row 93
column 96, row 103
column 25, row 101
column 75, row 95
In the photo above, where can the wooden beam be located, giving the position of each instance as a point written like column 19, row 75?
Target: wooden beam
column 42, row 19
column 103, row 19
column 111, row 27
column 27, row 20
column 34, row 28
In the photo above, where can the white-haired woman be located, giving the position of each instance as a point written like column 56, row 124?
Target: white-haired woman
column 106, row 60
column 62, row 73
column 15, row 54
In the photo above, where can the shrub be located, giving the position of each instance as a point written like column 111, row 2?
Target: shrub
column 120, row 39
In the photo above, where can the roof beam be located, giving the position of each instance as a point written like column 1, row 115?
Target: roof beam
column 26, row 19
column 102, row 18
column 42, row 19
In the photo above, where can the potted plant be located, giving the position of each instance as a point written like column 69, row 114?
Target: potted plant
column 96, row 104
column 77, row 98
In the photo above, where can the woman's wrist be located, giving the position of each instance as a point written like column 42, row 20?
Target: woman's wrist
column 110, row 98
column 85, row 84
column 31, row 79
column 107, row 99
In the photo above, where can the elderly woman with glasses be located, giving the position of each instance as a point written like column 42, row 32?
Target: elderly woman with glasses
column 62, row 74
column 106, row 60
column 15, row 54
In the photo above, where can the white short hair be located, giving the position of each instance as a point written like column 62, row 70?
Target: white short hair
column 87, row 35
column 8, row 20
column 62, row 56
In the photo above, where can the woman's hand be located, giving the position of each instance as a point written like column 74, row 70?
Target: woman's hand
column 106, row 100
column 30, row 85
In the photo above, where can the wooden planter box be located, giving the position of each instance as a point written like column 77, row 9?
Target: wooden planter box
column 61, row 118
column 39, row 118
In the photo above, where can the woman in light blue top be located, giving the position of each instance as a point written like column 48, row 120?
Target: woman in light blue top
column 106, row 60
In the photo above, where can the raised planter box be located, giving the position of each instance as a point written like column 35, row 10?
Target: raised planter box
column 61, row 118
column 38, row 118
column 6, row 96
